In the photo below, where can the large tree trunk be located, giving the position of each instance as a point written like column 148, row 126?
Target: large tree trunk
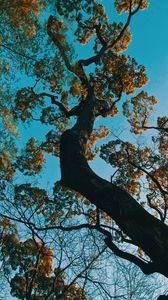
column 144, row 229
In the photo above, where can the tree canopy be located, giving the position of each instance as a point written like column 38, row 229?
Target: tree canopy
column 55, row 242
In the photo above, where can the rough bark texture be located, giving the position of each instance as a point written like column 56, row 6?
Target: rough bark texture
column 144, row 229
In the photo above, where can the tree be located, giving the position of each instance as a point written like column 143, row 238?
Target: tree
column 130, row 283
column 117, row 210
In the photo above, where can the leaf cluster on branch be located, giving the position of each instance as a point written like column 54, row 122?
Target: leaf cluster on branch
column 54, row 244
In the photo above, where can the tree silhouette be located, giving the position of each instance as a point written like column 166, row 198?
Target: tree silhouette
column 69, row 99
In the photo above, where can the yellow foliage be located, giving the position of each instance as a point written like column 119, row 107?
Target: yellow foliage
column 86, row 37
column 140, row 252
column 101, row 133
column 23, row 14
column 6, row 165
column 75, row 87
column 124, row 5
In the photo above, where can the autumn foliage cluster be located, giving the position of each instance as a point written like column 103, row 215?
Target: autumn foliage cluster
column 45, row 85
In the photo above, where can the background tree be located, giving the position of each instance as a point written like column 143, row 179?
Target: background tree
column 68, row 98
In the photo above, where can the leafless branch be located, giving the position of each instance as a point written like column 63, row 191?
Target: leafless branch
column 157, row 128
column 17, row 52
column 163, row 191
column 147, row 268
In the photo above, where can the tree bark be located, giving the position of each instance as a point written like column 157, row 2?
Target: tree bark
column 146, row 231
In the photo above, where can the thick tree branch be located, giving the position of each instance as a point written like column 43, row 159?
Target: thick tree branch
column 148, row 232
column 98, row 227
column 75, row 111
column 53, row 98
column 147, row 268
column 99, row 35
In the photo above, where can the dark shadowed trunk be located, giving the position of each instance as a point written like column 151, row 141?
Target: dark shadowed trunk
column 145, row 230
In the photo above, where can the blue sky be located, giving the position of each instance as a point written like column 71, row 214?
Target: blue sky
column 150, row 47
